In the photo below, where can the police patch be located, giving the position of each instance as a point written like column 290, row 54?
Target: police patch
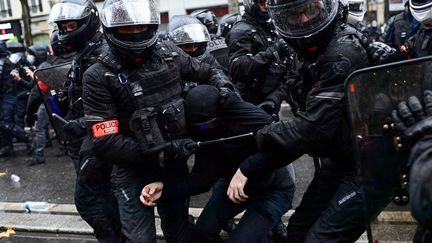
column 105, row 128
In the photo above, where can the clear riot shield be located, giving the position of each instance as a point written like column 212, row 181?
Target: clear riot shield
column 50, row 83
column 372, row 94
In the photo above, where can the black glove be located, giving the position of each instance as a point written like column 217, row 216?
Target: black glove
column 30, row 119
column 75, row 128
column 270, row 108
column 280, row 50
column 180, row 148
column 414, row 120
column 380, row 53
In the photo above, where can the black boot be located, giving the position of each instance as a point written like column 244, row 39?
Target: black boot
column 280, row 233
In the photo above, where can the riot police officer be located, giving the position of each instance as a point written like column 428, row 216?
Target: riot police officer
column 79, row 33
column 257, row 58
column 422, row 45
column 402, row 27
column 192, row 37
column 216, row 46
column 135, row 114
column 330, row 50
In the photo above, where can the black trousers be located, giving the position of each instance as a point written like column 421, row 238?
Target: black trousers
column 333, row 207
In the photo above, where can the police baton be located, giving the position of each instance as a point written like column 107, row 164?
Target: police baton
column 219, row 140
column 59, row 118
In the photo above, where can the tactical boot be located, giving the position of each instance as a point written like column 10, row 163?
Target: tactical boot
column 229, row 227
column 280, row 233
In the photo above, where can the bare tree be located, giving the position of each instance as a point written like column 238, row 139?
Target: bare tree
column 26, row 18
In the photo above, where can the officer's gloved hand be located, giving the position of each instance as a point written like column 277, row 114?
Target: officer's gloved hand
column 75, row 128
column 30, row 119
column 280, row 50
column 381, row 53
column 180, row 148
column 414, row 119
column 270, row 108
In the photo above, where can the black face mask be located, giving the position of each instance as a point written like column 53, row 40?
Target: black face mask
column 138, row 37
column 264, row 16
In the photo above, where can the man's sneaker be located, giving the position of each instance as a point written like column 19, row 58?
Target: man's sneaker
column 35, row 160
column 280, row 233
column 229, row 227
column 6, row 152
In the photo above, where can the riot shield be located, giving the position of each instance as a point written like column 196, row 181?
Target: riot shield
column 50, row 82
column 372, row 94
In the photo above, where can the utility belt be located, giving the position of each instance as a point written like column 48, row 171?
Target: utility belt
column 153, row 127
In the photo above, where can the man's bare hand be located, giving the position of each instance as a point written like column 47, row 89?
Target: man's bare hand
column 15, row 75
column 236, row 188
column 150, row 193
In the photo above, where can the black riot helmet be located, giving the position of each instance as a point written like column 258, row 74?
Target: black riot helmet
column 227, row 22
column 77, row 22
column 422, row 11
column 189, row 34
column 142, row 16
column 305, row 24
column 207, row 18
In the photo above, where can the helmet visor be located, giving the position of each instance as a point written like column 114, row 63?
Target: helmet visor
column 68, row 11
column 192, row 33
column 302, row 19
column 130, row 12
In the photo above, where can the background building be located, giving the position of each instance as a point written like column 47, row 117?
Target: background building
column 11, row 20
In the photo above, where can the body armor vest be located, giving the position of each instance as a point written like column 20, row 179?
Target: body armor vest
column 155, row 89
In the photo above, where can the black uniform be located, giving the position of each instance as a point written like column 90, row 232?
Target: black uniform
column 114, row 91
column 254, row 68
column 401, row 29
column 321, row 129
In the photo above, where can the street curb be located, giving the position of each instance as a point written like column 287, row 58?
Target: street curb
column 70, row 209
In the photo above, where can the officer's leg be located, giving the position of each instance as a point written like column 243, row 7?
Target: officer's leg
column 20, row 111
column 174, row 213
column 41, row 128
column 95, row 200
column 315, row 200
column 216, row 213
column 344, row 219
column 263, row 212
column 8, row 119
column 137, row 220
